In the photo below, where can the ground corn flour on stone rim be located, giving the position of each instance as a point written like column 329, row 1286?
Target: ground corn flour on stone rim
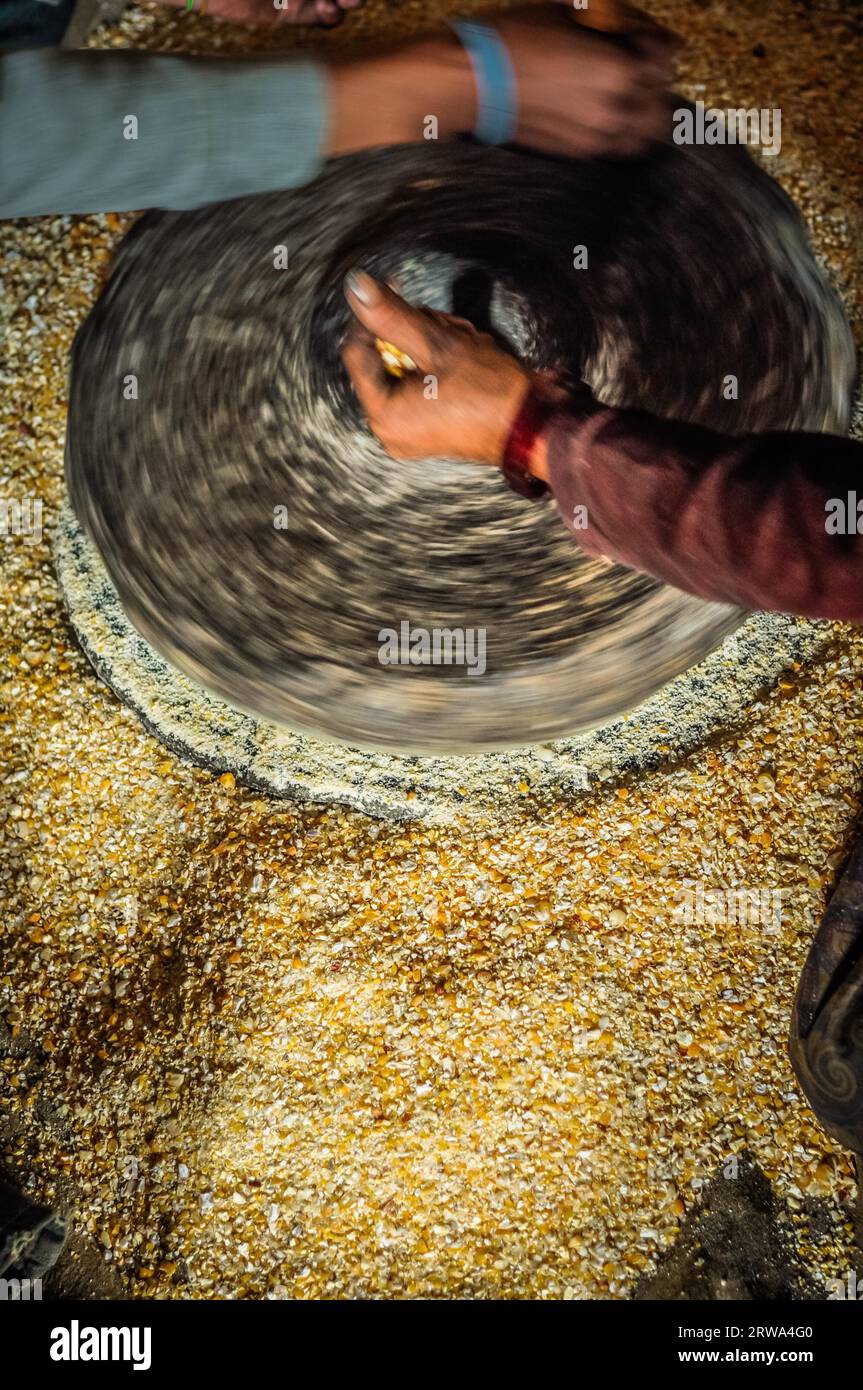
column 714, row 696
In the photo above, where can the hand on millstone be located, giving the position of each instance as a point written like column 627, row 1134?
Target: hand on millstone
column 462, row 394
column 583, row 93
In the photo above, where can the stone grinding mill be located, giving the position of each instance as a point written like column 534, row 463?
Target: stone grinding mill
column 252, row 647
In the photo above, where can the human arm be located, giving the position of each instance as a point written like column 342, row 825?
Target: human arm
column 118, row 130
column 751, row 520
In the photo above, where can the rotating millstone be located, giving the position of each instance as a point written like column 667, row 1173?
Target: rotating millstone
column 209, row 406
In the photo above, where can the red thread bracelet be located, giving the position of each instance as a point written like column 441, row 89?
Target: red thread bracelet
column 536, row 409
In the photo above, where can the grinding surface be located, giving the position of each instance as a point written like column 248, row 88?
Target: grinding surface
column 240, row 414
column 264, row 1049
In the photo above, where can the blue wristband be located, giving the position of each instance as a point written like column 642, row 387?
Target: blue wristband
column 497, row 100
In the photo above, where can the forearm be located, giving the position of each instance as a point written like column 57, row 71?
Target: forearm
column 202, row 130
column 399, row 94
column 99, row 132
column 735, row 520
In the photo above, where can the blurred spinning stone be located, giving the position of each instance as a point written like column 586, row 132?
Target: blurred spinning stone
column 260, row 539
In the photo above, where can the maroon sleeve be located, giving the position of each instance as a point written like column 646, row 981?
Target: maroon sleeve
column 761, row 521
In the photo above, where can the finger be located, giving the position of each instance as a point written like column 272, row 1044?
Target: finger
column 454, row 321
column 363, row 364
column 328, row 12
column 638, row 119
column 650, row 122
column 294, row 12
column 624, row 76
column 637, row 122
column 658, row 44
column 593, row 142
column 388, row 316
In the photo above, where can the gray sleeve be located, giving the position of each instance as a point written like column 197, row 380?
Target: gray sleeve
column 113, row 132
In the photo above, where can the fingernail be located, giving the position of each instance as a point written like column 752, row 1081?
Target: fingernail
column 360, row 284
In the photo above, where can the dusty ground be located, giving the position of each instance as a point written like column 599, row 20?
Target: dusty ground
column 266, row 1050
